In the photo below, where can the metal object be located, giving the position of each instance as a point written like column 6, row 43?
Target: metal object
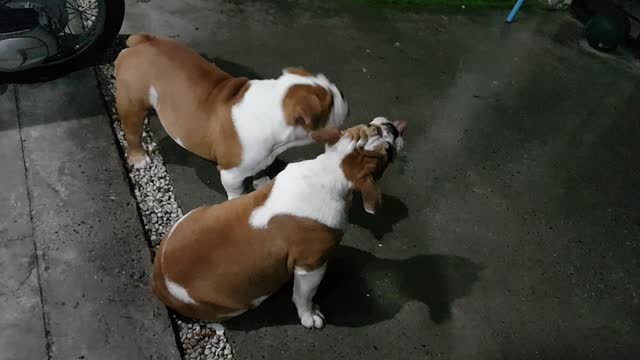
column 34, row 33
column 26, row 49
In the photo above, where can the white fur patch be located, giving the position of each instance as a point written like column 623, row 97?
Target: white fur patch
column 258, row 301
column 386, row 136
column 233, row 313
column 258, row 183
column 177, row 140
column 232, row 181
column 153, row 97
column 305, row 285
column 262, row 128
column 315, row 189
column 178, row 292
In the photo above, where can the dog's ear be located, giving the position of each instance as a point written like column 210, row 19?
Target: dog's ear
column 362, row 168
column 371, row 194
column 308, row 112
column 327, row 136
column 308, row 106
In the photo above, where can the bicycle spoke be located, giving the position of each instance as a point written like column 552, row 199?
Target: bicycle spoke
column 80, row 26
column 71, row 6
column 75, row 16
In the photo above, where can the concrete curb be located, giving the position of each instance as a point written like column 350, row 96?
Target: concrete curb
column 153, row 190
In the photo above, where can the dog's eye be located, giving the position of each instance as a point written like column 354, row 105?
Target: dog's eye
column 392, row 129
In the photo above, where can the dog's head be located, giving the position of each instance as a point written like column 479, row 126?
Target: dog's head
column 365, row 161
column 311, row 101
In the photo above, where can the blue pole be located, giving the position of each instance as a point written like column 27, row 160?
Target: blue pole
column 514, row 11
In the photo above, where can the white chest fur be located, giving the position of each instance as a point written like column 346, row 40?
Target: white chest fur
column 260, row 121
column 315, row 189
column 261, row 126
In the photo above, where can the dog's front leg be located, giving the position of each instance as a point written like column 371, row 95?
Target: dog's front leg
column 232, row 181
column 258, row 183
column 305, row 285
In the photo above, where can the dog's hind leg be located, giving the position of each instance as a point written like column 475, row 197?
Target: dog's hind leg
column 132, row 112
column 233, row 183
column 305, row 285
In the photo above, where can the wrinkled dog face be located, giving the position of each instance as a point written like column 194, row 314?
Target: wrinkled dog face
column 364, row 166
column 389, row 132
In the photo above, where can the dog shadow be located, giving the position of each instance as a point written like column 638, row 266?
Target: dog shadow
column 234, row 69
column 391, row 212
column 360, row 289
column 205, row 170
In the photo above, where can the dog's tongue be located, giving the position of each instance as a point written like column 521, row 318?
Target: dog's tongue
column 400, row 126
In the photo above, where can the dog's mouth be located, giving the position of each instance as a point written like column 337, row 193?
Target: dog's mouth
column 391, row 133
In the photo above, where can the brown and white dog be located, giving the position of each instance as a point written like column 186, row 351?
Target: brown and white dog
column 241, row 124
column 222, row 260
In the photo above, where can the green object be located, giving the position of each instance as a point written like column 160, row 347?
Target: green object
column 443, row 3
column 606, row 32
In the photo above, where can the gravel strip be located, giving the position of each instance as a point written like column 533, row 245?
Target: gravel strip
column 156, row 199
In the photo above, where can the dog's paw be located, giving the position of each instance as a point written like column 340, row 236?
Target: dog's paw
column 139, row 161
column 312, row 319
column 258, row 183
column 361, row 134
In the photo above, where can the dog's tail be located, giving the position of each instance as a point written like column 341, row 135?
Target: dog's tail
column 137, row 39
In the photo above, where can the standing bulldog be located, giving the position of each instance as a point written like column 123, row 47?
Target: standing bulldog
column 241, row 124
column 219, row 261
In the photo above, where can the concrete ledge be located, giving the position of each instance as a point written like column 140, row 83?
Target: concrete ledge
column 94, row 262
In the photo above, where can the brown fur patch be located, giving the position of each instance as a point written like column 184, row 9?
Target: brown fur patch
column 137, row 39
column 194, row 97
column 224, row 264
column 326, row 135
column 308, row 106
column 361, row 132
column 362, row 168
